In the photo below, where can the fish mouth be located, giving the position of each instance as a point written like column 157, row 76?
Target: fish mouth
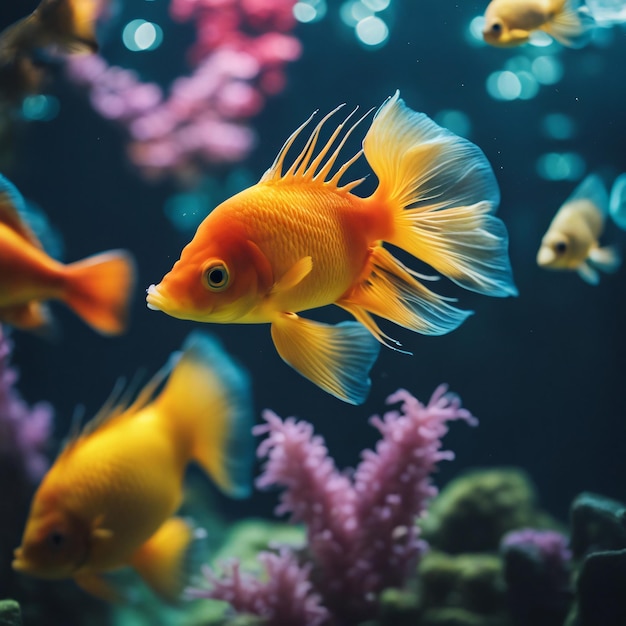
column 19, row 564
column 155, row 299
column 545, row 257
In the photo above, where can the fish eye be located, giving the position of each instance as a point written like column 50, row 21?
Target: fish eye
column 56, row 539
column 560, row 247
column 216, row 276
column 496, row 28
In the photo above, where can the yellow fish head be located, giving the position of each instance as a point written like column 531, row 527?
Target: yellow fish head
column 508, row 24
column 220, row 277
column 555, row 251
column 55, row 544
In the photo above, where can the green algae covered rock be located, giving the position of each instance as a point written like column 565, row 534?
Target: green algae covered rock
column 10, row 614
column 475, row 510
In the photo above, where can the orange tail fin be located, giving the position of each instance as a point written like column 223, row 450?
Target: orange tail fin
column 98, row 290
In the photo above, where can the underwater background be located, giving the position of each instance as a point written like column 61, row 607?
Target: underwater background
column 543, row 372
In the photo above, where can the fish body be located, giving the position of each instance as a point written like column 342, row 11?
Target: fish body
column 108, row 500
column 572, row 239
column 512, row 22
column 299, row 240
column 97, row 288
column 63, row 25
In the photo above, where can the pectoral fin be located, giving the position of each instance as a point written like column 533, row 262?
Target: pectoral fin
column 336, row 358
column 294, row 276
column 588, row 274
column 572, row 26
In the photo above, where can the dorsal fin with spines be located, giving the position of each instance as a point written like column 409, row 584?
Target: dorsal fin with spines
column 308, row 167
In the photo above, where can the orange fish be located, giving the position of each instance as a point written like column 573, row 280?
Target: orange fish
column 96, row 288
column 299, row 239
column 108, row 500
column 64, row 25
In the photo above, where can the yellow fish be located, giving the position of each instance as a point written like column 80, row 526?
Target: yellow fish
column 63, row 25
column 571, row 241
column 98, row 288
column 512, row 22
column 108, row 500
column 299, row 239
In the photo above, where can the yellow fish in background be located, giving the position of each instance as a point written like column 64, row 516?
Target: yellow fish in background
column 61, row 25
column 108, row 500
column 299, row 240
column 98, row 288
column 571, row 241
column 512, row 22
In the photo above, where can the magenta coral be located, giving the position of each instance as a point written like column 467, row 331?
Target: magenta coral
column 362, row 536
column 24, row 431
column 237, row 60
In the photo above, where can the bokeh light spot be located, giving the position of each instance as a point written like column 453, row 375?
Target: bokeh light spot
column 372, row 31
column 529, row 85
column 558, row 126
column 40, row 108
column 376, row 5
column 141, row 35
column 548, row 70
column 309, row 10
column 504, row 85
column 474, row 34
column 560, row 166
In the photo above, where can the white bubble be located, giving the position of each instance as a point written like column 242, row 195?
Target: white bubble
column 455, row 121
column 372, row 31
column 558, row 126
column 540, row 39
column 560, row 166
column 504, row 85
column 352, row 11
column 548, row 70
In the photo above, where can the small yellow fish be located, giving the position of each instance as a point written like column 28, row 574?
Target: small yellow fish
column 512, row 22
column 97, row 288
column 108, row 500
column 63, row 25
column 299, row 240
column 571, row 241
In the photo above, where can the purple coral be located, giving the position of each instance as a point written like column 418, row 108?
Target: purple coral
column 24, row 431
column 361, row 531
column 237, row 61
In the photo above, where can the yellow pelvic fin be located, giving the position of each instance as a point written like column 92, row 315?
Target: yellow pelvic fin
column 392, row 291
column 169, row 559
column 295, row 275
column 99, row 587
column 206, row 404
column 572, row 26
column 336, row 358
column 441, row 192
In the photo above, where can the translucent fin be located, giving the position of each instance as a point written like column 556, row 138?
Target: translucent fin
column 617, row 203
column 12, row 210
column 441, row 191
column 392, row 291
column 572, row 26
column 169, row 559
column 588, row 273
column 591, row 188
column 606, row 259
column 316, row 168
column 207, row 401
column 99, row 288
column 336, row 358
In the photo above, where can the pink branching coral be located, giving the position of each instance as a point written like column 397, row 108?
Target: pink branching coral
column 237, row 60
column 361, row 531
column 24, row 431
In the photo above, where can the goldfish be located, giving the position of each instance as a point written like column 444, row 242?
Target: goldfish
column 110, row 498
column 96, row 288
column 63, row 25
column 299, row 239
column 512, row 22
column 571, row 241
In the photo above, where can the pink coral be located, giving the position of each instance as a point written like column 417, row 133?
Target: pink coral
column 238, row 60
column 361, row 531
column 24, row 432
